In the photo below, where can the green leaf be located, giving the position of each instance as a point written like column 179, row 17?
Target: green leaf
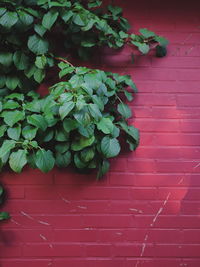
column 79, row 19
column 41, row 62
column 44, row 160
column 81, row 142
column 69, row 125
column 6, row 58
column 25, row 18
column 10, row 104
column 78, row 162
column 38, row 121
column 146, row 33
column 87, row 154
column 3, row 128
column 161, row 51
column 14, row 133
column 20, row 60
column 82, row 117
column 162, row 41
column 18, row 160
column 62, row 147
column 110, row 147
column 39, row 29
column 38, row 45
column 124, row 110
column 2, row 11
column 4, row 215
column 63, row 160
column 86, row 131
column 6, row 147
column 144, row 48
column 105, row 125
column 103, row 168
column 9, row 19
column 29, row 132
column 94, row 111
column 49, row 19
column 39, row 75
column 131, row 131
column 12, row 117
column 12, row 82
column 65, row 109
column 128, row 95
column 66, row 15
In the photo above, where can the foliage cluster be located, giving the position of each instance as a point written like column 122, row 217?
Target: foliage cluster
column 84, row 115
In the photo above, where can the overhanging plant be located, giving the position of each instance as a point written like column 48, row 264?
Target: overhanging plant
column 82, row 119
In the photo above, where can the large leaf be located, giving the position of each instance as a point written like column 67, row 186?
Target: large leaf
column 103, row 168
column 44, row 160
column 38, row 45
column 12, row 117
column 94, row 111
column 29, row 132
column 8, row 19
column 6, row 58
column 65, row 109
column 49, row 19
column 105, row 125
column 38, row 121
column 110, row 147
column 6, row 147
column 124, row 110
column 18, row 160
column 146, row 33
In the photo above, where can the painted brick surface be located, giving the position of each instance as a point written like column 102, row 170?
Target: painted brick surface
column 146, row 212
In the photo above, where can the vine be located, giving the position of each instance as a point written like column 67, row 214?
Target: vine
column 81, row 120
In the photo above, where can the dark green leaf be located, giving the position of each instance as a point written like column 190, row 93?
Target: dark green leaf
column 11, row 117
column 63, row 160
column 6, row 147
column 29, row 132
column 44, row 160
column 124, row 110
column 38, row 45
column 65, row 109
column 14, row 133
column 20, row 60
column 49, row 19
column 8, row 19
column 38, row 121
column 81, row 142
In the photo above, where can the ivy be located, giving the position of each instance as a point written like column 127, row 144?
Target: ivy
column 3, row 215
column 82, row 119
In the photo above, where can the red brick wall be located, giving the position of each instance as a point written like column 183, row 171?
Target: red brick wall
column 146, row 213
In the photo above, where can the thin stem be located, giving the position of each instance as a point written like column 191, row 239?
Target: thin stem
column 65, row 61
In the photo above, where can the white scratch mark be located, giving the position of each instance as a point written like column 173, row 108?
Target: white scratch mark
column 139, row 211
column 26, row 215
column 160, row 210
column 12, row 220
column 50, row 245
column 43, row 237
column 65, row 200
column 118, row 233
column 41, row 222
column 196, row 166
column 180, row 182
column 82, row 207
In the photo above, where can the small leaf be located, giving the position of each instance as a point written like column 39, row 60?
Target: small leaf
column 44, row 160
column 81, row 142
column 18, row 160
column 161, row 51
column 105, row 125
column 110, row 147
column 103, row 168
column 12, row 82
column 9, row 19
column 146, row 33
column 4, row 215
column 41, row 62
column 20, row 60
column 6, row 58
column 144, row 48
column 124, row 110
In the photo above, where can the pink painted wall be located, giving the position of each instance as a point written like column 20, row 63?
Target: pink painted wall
column 146, row 213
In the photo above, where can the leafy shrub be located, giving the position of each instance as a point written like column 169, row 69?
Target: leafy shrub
column 84, row 115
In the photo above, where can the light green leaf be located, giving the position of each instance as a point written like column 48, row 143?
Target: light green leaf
column 41, row 62
column 94, row 111
column 12, row 82
column 25, row 18
column 39, row 29
column 12, row 117
column 110, row 147
column 146, row 33
column 18, row 160
column 105, row 125
column 3, row 128
column 14, row 132
column 144, row 48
